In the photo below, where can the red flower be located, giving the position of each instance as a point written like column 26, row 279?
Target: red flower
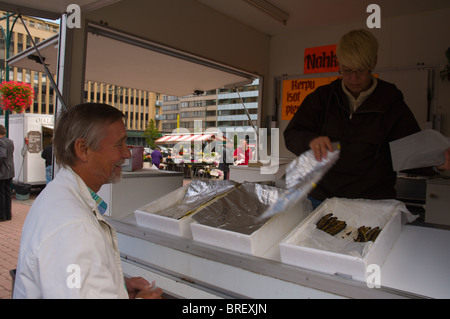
column 16, row 96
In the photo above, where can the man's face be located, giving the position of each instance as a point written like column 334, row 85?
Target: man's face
column 106, row 162
column 356, row 81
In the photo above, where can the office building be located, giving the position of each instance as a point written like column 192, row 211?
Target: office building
column 221, row 108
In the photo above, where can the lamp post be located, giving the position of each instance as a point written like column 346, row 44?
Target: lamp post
column 7, row 36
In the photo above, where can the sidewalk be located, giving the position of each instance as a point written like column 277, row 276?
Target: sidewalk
column 10, row 232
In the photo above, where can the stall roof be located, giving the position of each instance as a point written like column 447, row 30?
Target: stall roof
column 307, row 15
column 137, row 67
column 112, row 60
column 303, row 14
column 50, row 9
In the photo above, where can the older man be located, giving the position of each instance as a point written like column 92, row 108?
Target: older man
column 67, row 248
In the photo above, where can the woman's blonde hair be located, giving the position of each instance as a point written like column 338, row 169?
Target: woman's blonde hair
column 358, row 50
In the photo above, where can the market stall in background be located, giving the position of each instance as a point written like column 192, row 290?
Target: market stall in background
column 196, row 155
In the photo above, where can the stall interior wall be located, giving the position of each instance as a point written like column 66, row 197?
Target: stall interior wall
column 404, row 42
column 414, row 84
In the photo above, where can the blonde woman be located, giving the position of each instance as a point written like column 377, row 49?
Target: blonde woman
column 361, row 112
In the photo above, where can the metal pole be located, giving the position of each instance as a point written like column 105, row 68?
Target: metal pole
column 7, row 45
column 7, row 35
column 49, row 75
column 246, row 111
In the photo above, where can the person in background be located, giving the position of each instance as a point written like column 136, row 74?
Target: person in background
column 227, row 159
column 363, row 114
column 156, row 157
column 243, row 153
column 47, row 154
column 67, row 248
column 6, row 174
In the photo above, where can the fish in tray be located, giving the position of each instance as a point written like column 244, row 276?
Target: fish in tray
column 367, row 233
column 333, row 226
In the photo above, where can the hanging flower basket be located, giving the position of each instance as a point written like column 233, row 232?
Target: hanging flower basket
column 16, row 96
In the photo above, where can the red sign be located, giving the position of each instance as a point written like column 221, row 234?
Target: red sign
column 320, row 59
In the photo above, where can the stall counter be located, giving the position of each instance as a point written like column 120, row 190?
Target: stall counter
column 416, row 267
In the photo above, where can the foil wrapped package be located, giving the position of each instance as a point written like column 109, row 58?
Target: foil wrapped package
column 305, row 171
column 197, row 193
column 302, row 174
column 240, row 209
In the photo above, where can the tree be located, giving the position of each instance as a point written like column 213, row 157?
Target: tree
column 151, row 134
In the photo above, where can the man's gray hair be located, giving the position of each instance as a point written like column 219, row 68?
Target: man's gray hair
column 87, row 121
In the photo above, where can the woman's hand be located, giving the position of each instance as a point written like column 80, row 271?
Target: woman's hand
column 321, row 146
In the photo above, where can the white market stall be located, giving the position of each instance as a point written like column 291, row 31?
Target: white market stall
column 31, row 133
column 232, row 51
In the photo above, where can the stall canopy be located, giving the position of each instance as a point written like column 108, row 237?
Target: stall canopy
column 176, row 138
column 145, row 65
column 28, row 59
column 120, row 59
